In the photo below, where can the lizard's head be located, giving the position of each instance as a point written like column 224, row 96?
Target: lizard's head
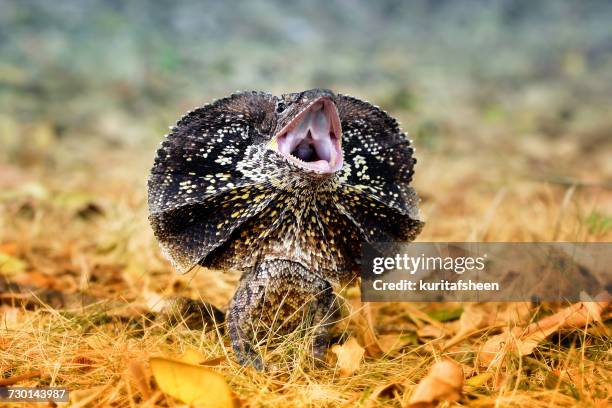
column 250, row 169
column 308, row 131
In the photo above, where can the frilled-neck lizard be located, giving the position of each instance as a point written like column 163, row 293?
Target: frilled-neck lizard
column 285, row 190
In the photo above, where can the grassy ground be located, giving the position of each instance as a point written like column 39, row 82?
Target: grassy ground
column 73, row 218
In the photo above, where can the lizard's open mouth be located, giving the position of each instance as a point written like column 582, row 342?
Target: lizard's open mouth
column 312, row 140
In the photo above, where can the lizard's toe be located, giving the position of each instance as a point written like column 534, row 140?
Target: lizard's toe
column 248, row 357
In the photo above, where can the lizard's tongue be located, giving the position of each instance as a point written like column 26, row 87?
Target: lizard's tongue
column 312, row 142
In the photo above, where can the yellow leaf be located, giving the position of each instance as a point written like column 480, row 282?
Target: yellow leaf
column 478, row 380
column 9, row 265
column 192, row 356
column 349, row 356
column 192, row 384
column 443, row 383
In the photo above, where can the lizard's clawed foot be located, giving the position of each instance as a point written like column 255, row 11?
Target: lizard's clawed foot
column 247, row 356
column 320, row 346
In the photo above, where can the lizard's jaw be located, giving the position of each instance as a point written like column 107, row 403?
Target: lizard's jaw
column 312, row 140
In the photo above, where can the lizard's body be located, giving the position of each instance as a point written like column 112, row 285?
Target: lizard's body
column 285, row 190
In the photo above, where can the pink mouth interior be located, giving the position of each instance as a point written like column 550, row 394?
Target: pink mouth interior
column 312, row 139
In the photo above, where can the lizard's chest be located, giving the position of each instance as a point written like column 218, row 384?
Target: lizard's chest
column 306, row 229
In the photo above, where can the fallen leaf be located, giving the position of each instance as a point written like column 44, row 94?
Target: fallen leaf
column 496, row 347
column 82, row 363
column 514, row 313
column 214, row 361
column 362, row 319
column 9, row 248
column 18, row 378
column 524, row 340
column 349, row 355
column 478, row 380
column 36, row 279
column 192, row 356
column 478, row 316
column 138, row 376
column 387, row 390
column 431, row 332
column 390, row 343
column 444, row 382
column 473, row 318
column 10, row 265
column 191, row 384
column 576, row 316
column 418, row 316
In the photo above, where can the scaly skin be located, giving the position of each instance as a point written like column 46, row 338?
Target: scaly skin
column 220, row 197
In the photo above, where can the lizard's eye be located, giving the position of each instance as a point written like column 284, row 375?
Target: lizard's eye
column 280, row 107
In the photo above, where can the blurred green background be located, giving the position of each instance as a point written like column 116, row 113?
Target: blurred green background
column 526, row 82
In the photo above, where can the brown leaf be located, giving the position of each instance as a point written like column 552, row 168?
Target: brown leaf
column 524, row 341
column 361, row 318
column 431, row 332
column 574, row 317
column 139, row 376
column 9, row 248
column 473, row 318
column 214, row 361
column 349, row 355
column 388, row 390
column 37, row 279
column 18, row 378
column 476, row 317
column 83, row 363
column 443, row 383
column 493, row 350
column 514, row 313
column 390, row 343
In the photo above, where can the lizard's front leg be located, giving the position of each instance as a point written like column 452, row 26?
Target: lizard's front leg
column 279, row 294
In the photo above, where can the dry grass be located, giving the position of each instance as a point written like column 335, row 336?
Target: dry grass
column 80, row 225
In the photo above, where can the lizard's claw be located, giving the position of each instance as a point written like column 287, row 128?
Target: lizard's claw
column 246, row 355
